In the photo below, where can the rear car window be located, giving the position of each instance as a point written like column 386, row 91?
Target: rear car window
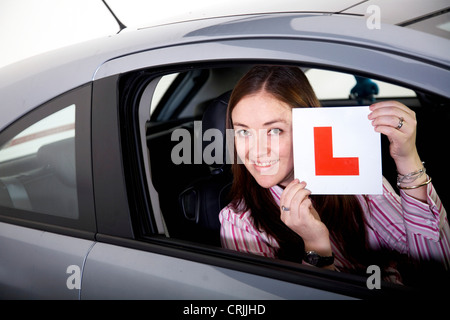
column 38, row 167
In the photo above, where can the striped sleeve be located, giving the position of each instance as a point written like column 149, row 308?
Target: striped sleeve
column 427, row 227
column 410, row 226
column 238, row 233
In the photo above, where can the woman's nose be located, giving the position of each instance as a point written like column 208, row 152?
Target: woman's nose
column 261, row 144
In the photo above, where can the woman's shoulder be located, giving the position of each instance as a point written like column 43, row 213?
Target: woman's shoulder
column 235, row 211
column 237, row 215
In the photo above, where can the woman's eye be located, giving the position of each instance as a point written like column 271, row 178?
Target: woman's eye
column 243, row 133
column 274, row 131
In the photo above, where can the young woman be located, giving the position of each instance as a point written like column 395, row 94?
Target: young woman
column 273, row 215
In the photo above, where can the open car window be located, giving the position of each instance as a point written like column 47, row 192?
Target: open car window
column 181, row 188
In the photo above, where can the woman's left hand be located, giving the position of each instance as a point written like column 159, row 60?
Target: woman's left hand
column 398, row 123
column 300, row 216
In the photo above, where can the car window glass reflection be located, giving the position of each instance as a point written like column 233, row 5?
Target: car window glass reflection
column 38, row 167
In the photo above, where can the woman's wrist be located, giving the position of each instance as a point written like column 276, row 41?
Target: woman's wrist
column 409, row 164
column 322, row 248
column 412, row 177
column 411, row 172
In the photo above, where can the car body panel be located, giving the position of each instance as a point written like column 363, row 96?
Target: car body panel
column 37, row 263
column 114, row 272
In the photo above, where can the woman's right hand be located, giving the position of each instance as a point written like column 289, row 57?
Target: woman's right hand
column 303, row 219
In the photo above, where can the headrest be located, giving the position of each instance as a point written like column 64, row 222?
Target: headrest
column 60, row 157
column 214, row 117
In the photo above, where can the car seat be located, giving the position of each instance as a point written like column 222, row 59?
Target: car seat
column 203, row 199
column 48, row 188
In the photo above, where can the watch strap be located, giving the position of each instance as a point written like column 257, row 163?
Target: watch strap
column 313, row 258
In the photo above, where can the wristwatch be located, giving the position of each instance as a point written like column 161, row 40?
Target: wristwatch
column 314, row 259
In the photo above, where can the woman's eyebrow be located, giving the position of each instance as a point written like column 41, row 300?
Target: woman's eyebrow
column 238, row 124
column 275, row 121
column 265, row 124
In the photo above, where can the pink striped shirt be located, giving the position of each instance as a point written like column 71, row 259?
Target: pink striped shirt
column 398, row 222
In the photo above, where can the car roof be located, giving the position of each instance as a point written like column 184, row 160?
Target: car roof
column 29, row 83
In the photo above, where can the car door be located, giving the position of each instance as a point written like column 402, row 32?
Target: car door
column 136, row 258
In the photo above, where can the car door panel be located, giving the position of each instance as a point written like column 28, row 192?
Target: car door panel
column 40, row 264
column 115, row 272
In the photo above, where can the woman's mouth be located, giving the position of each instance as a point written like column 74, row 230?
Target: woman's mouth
column 261, row 165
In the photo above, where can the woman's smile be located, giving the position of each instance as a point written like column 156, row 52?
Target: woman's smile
column 265, row 163
column 265, row 166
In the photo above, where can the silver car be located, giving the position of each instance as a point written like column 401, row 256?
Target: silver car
column 93, row 204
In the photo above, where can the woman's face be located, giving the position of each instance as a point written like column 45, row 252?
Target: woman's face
column 263, row 138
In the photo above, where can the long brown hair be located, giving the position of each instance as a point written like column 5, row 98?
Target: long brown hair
column 342, row 215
